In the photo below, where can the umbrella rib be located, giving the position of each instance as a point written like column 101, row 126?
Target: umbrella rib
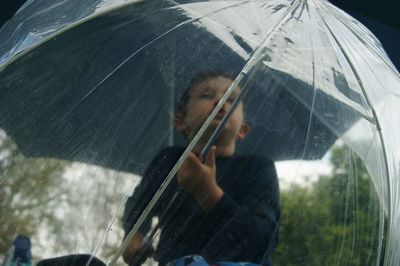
column 378, row 52
column 15, row 56
column 377, row 124
column 314, row 93
column 249, row 64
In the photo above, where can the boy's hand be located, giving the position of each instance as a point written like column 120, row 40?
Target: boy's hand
column 199, row 179
column 135, row 252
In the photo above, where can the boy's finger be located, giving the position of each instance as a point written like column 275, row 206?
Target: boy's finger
column 210, row 159
column 192, row 160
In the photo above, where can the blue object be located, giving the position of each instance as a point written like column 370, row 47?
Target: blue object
column 20, row 253
column 196, row 260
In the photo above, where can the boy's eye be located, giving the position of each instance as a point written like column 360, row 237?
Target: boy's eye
column 231, row 100
column 206, row 95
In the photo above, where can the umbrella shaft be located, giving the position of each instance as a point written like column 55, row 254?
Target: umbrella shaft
column 222, row 124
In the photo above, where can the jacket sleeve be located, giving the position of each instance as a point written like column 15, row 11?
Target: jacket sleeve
column 143, row 193
column 247, row 228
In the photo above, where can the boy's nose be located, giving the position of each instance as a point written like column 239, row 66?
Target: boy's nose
column 216, row 101
column 224, row 106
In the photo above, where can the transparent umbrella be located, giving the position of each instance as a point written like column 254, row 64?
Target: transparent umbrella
column 99, row 84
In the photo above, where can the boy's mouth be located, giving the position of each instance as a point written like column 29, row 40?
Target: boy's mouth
column 219, row 116
column 221, row 113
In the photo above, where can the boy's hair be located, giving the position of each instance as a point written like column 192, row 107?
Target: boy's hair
column 196, row 80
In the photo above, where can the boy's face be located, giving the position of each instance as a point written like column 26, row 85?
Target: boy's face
column 202, row 100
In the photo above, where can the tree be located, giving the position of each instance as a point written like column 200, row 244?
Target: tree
column 30, row 190
column 93, row 210
column 65, row 207
column 336, row 221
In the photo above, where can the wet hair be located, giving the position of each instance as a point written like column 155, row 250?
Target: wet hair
column 196, row 80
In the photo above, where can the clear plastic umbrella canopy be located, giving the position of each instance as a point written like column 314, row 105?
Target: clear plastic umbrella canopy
column 94, row 140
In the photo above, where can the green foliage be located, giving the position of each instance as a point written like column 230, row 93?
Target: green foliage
column 30, row 190
column 336, row 221
column 64, row 207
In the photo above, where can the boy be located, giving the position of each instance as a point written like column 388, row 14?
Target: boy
column 231, row 210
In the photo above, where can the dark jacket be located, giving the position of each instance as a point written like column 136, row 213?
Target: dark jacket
column 243, row 226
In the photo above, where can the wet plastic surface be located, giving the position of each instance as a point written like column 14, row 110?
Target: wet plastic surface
column 96, row 84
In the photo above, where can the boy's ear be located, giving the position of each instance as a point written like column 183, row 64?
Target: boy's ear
column 244, row 130
column 179, row 122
